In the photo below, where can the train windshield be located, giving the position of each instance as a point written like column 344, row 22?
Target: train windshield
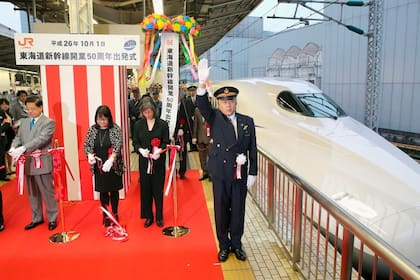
column 310, row 104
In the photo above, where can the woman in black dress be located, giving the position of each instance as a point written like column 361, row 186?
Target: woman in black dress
column 151, row 135
column 10, row 133
column 103, row 148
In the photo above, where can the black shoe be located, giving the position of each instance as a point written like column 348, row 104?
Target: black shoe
column 240, row 254
column 223, row 255
column 32, row 225
column 2, row 227
column 182, row 176
column 159, row 223
column 148, row 222
column 5, row 179
column 52, row 225
column 106, row 221
column 204, row 177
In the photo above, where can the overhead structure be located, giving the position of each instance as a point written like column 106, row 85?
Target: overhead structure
column 374, row 63
column 216, row 17
column 81, row 17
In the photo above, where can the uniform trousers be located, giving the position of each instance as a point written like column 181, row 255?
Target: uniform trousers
column 41, row 187
column 229, row 210
column 151, row 189
column 203, row 155
column 183, row 158
column 1, row 209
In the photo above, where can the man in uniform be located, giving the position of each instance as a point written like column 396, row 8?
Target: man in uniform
column 202, row 139
column 232, row 163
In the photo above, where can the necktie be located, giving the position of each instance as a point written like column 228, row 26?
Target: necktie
column 32, row 123
column 233, row 121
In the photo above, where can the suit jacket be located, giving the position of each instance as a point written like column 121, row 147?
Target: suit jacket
column 200, row 128
column 142, row 138
column 37, row 138
column 17, row 111
column 133, row 108
column 183, row 121
column 222, row 157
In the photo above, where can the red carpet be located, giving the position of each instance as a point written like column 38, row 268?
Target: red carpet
column 147, row 254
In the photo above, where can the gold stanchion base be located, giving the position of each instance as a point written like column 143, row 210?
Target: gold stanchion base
column 64, row 237
column 176, row 231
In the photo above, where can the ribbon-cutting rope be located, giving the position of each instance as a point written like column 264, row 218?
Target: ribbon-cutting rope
column 116, row 231
column 58, row 158
column 172, row 157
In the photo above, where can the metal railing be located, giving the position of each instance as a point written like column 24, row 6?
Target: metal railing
column 321, row 239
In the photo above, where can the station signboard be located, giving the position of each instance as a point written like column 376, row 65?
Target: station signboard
column 76, row 49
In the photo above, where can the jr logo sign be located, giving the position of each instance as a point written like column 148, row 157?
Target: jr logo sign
column 26, row 42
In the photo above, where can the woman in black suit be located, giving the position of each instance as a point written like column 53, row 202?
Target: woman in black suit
column 10, row 133
column 151, row 135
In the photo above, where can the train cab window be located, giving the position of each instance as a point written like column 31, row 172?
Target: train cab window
column 286, row 100
column 320, row 105
column 19, row 79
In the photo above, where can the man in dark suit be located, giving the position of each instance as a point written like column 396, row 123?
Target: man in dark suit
column 232, row 163
column 191, row 105
column 202, row 139
column 134, row 109
column 35, row 136
column 182, row 134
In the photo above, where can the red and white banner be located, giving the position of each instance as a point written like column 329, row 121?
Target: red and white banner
column 71, row 95
column 170, row 78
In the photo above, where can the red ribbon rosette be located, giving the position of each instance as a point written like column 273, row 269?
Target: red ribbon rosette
column 155, row 142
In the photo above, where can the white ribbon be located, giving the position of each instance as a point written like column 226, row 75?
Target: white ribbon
column 172, row 167
column 240, row 160
column 36, row 156
column 21, row 178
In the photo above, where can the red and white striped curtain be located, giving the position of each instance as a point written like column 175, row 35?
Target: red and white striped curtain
column 71, row 95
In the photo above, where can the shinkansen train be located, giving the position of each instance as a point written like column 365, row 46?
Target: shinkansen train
column 309, row 133
column 18, row 79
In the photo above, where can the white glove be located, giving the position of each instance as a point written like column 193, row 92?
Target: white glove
column 194, row 141
column 91, row 159
column 180, row 132
column 144, row 152
column 203, row 71
column 251, row 181
column 201, row 91
column 108, row 164
column 156, row 155
column 17, row 152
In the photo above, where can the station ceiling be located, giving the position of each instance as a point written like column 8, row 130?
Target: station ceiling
column 215, row 17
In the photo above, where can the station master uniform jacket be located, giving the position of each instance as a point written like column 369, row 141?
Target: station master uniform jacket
column 229, row 193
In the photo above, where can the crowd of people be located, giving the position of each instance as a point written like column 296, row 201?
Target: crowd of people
column 224, row 139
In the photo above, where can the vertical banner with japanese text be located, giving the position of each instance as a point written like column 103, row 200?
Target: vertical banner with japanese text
column 170, row 78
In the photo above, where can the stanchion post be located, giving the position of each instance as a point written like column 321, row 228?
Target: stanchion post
column 63, row 236
column 175, row 231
